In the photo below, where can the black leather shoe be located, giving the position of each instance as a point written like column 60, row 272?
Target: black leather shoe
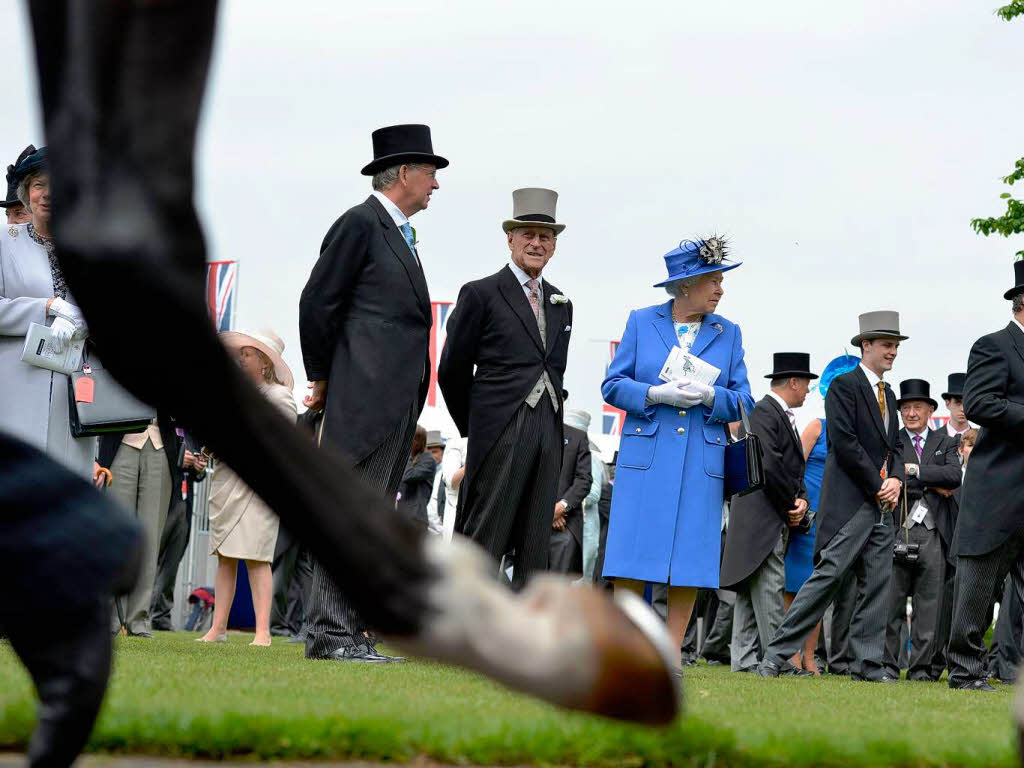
column 358, row 653
column 768, row 669
column 387, row 659
column 888, row 679
column 974, row 685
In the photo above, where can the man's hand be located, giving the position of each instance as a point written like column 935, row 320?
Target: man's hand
column 317, row 397
column 190, row 459
column 558, row 521
column 796, row 514
column 457, row 478
column 889, row 493
column 943, row 492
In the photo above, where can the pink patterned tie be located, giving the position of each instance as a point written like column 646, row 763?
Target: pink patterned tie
column 532, row 284
column 917, row 446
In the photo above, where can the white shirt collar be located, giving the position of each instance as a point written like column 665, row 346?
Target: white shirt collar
column 1018, row 324
column 952, row 432
column 780, row 401
column 873, row 378
column 393, row 210
column 924, row 434
column 521, row 276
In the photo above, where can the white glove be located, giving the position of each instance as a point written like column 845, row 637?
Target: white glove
column 67, row 310
column 62, row 331
column 671, row 393
column 705, row 394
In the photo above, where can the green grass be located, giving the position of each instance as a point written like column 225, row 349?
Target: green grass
column 174, row 697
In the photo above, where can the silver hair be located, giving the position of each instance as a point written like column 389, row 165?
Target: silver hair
column 675, row 288
column 1018, row 303
column 23, row 187
column 384, row 179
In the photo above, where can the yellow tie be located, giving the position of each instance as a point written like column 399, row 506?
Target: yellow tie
column 881, row 398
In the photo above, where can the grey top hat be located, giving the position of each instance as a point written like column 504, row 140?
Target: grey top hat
column 884, row 324
column 533, row 207
column 434, row 439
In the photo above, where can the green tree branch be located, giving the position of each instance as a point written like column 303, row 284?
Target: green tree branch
column 1008, row 12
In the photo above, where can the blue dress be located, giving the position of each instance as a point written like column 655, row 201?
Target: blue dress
column 800, row 554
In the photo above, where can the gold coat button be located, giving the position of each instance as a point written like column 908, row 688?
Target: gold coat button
column 638, row 429
column 682, row 413
column 718, row 439
column 681, row 431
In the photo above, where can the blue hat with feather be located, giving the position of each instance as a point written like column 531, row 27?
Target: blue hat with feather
column 697, row 257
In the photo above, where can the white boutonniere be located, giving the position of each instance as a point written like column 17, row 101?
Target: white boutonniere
column 557, row 298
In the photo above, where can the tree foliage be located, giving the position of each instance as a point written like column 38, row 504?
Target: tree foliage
column 1011, row 222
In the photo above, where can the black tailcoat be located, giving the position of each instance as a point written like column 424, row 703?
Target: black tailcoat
column 992, row 502
column 575, row 479
column 493, row 328
column 757, row 519
column 939, row 467
column 859, row 445
column 364, row 325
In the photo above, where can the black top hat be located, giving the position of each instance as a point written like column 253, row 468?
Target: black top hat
column 397, row 144
column 791, row 365
column 916, row 389
column 13, row 179
column 1018, row 278
column 955, row 386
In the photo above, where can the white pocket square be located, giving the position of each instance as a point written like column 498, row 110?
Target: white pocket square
column 568, row 328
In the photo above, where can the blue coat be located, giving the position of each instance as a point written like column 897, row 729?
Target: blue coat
column 666, row 513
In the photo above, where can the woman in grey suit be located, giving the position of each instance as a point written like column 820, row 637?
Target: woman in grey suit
column 34, row 405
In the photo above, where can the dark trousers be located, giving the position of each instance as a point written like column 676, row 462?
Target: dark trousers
column 332, row 620
column 1005, row 654
column 862, row 546
column 565, row 555
column 173, row 543
column 513, row 492
column 945, row 622
column 922, row 582
column 292, row 574
column 972, row 590
column 839, row 656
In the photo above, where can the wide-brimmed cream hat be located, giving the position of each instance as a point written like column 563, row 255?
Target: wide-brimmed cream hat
column 533, row 207
column 267, row 342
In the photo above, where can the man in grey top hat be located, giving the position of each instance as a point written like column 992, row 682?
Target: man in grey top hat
column 863, row 478
column 513, row 328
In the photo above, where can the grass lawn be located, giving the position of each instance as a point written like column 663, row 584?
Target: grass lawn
column 174, row 697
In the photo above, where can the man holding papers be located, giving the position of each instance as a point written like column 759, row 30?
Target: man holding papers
column 666, row 513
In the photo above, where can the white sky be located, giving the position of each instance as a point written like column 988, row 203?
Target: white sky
column 844, row 148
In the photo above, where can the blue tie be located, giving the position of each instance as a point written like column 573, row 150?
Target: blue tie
column 407, row 234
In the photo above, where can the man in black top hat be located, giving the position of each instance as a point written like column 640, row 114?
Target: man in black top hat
column 923, row 531
column 954, row 399
column 990, row 525
column 16, row 211
column 364, row 324
column 754, row 563
column 862, row 482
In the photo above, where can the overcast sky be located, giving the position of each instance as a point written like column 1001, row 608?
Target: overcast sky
column 843, row 148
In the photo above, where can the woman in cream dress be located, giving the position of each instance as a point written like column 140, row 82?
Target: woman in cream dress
column 242, row 527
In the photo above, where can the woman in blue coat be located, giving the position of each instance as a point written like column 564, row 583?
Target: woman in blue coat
column 666, row 512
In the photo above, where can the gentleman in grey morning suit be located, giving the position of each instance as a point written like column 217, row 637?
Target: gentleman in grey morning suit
column 364, row 325
column 565, row 553
column 754, row 564
column 989, row 540
column 862, row 482
column 930, row 462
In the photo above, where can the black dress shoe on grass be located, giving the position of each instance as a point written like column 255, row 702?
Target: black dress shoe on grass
column 360, row 653
column 974, row 685
column 768, row 669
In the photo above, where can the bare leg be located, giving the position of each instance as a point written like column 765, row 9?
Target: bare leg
column 261, row 581
column 631, row 585
column 227, row 572
column 680, row 606
column 788, row 598
column 812, row 642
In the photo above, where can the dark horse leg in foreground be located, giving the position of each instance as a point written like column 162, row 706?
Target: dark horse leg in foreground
column 122, row 83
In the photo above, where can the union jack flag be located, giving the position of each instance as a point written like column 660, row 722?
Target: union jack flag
column 221, row 282
column 938, row 422
column 439, row 310
column 611, row 417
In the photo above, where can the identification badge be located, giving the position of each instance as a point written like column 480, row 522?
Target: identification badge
column 918, row 515
column 84, row 389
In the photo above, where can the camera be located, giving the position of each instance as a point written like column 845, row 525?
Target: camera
column 905, row 552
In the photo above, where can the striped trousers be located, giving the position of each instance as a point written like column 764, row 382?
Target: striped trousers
column 513, row 492
column 975, row 580
column 331, row 620
column 759, row 607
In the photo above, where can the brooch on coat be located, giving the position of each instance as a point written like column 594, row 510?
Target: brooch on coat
column 717, row 327
column 12, row 231
column 557, row 298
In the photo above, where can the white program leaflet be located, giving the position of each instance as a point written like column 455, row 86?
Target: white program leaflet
column 683, row 365
column 40, row 351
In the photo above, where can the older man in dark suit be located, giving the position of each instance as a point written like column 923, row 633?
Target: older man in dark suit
column 754, row 564
column 990, row 527
column 565, row 554
column 364, row 323
column 922, row 526
column 513, row 327
column 862, row 483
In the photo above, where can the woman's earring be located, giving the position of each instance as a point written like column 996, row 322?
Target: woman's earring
column 684, row 294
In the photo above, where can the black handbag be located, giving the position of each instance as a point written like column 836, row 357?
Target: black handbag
column 744, row 461
column 98, row 405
